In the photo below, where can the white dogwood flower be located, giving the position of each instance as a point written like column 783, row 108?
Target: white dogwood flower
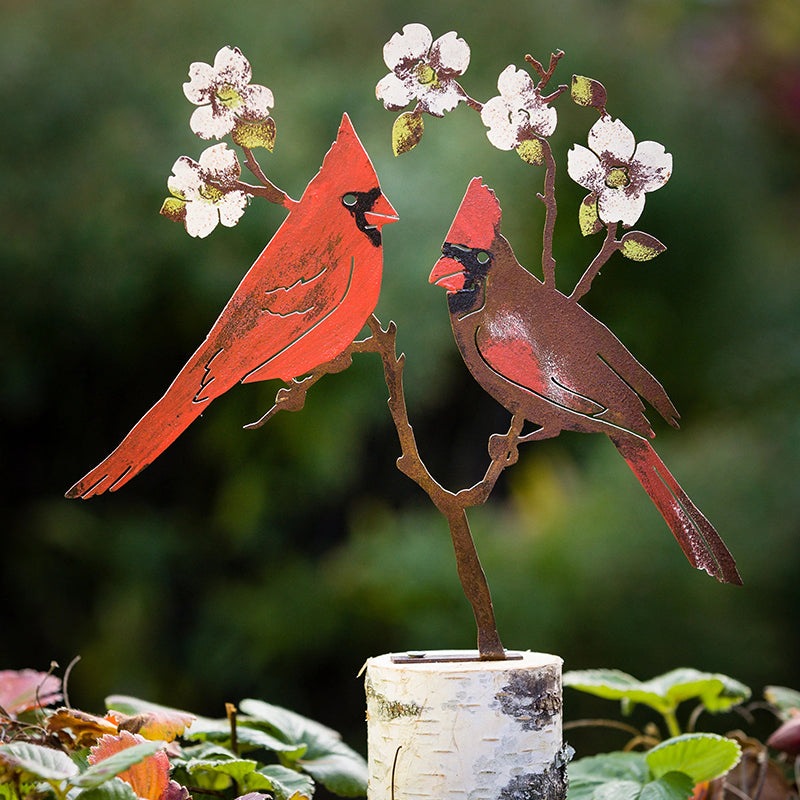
column 424, row 70
column 225, row 94
column 518, row 113
column 205, row 193
column 618, row 171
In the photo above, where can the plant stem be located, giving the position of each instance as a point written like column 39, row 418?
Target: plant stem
column 672, row 723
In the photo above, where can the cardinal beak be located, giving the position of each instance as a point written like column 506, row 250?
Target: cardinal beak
column 381, row 213
column 449, row 273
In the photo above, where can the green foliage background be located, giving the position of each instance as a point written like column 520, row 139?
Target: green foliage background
column 273, row 563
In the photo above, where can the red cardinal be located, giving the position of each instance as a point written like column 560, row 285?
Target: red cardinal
column 544, row 357
column 300, row 305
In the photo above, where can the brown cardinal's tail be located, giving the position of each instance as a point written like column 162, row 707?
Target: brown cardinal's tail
column 695, row 534
column 154, row 432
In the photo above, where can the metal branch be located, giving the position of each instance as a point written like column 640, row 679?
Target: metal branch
column 270, row 191
column 551, row 210
column 502, row 449
column 609, row 247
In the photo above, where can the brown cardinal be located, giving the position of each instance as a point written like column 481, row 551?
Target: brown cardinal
column 300, row 305
column 546, row 359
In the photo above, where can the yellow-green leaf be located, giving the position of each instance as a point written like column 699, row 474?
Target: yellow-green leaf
column 531, row 151
column 588, row 92
column 407, row 132
column 588, row 218
column 255, row 134
column 638, row 246
column 173, row 208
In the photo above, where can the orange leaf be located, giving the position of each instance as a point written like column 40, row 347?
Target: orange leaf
column 157, row 725
column 76, row 729
column 148, row 778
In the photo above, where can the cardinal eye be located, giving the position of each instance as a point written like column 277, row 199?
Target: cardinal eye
column 350, row 200
column 482, row 257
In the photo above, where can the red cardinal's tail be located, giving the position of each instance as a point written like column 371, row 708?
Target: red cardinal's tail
column 695, row 534
column 154, row 432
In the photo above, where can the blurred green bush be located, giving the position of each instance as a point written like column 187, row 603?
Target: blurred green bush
column 272, row 564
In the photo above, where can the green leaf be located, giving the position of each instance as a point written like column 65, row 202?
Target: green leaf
column 663, row 693
column 43, row 763
column 407, row 132
column 701, row 756
column 785, row 700
column 287, row 783
column 609, row 766
column 110, row 767
column 326, row 758
column 255, row 134
column 235, row 769
column 638, row 246
column 114, row 789
column 716, row 692
column 588, row 92
column 588, row 218
column 672, row 786
column 587, row 776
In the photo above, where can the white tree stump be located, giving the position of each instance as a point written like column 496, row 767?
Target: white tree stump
column 471, row 730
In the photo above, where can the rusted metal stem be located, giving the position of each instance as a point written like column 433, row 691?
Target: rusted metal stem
column 609, row 247
column 502, row 449
column 551, row 210
column 270, row 191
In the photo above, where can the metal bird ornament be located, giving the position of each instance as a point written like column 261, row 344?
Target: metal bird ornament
column 548, row 360
column 301, row 304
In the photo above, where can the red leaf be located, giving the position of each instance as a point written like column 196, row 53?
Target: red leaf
column 26, row 689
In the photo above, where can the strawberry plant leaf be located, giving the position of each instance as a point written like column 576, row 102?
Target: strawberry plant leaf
column 787, row 701
column 701, row 756
column 113, row 789
column 588, row 775
column 42, row 763
column 326, row 758
column 672, row 786
column 664, row 692
column 287, row 783
column 110, row 767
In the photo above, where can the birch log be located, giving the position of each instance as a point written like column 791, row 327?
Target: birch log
column 468, row 730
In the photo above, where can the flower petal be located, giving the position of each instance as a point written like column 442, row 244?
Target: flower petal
column 450, row 53
column 543, row 119
column 405, row 48
column 583, row 166
column 199, row 88
column 513, row 81
column 221, row 162
column 185, row 182
column 201, row 218
column 612, row 139
column 617, row 205
column 394, row 93
column 653, row 166
column 232, row 67
column 495, row 116
column 443, row 99
column 231, row 208
column 258, row 100
column 212, row 122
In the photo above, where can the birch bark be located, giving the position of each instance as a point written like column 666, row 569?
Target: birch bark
column 469, row 730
